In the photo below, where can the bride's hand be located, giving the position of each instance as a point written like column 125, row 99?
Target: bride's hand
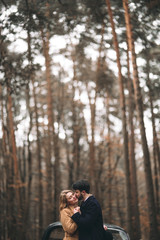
column 77, row 209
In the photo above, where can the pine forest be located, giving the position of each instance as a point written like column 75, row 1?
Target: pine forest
column 79, row 99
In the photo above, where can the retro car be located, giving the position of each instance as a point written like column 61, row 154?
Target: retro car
column 55, row 232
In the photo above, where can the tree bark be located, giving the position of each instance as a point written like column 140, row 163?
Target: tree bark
column 76, row 134
column 29, row 161
column 118, row 204
column 3, row 173
column 135, row 209
column 16, row 180
column 109, row 163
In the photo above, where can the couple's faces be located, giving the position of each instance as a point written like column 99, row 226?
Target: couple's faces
column 71, row 198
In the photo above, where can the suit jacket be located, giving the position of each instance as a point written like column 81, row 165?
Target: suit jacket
column 90, row 222
column 69, row 226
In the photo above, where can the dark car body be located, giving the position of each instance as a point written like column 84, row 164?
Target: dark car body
column 55, row 232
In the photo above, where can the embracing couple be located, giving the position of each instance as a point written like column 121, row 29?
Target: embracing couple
column 84, row 222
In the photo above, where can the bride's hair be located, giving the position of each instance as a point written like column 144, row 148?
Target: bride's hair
column 63, row 199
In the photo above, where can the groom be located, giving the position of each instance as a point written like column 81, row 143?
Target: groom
column 89, row 216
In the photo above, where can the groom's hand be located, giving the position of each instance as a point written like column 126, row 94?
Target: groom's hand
column 105, row 227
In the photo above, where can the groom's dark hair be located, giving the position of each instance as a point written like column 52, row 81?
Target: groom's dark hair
column 81, row 185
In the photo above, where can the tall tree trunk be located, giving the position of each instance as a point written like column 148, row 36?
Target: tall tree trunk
column 29, row 163
column 15, row 161
column 76, row 148
column 29, row 154
column 40, row 190
column 50, row 124
column 69, row 163
column 139, row 105
column 10, row 193
column 118, row 204
column 3, row 174
column 123, row 112
column 92, row 103
column 92, row 143
column 156, row 151
column 134, row 193
column 68, row 156
column 29, row 172
column 101, row 161
column 109, row 163
column 51, row 118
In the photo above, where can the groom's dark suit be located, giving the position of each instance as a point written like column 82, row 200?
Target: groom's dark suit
column 90, row 222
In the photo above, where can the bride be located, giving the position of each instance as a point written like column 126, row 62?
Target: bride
column 68, row 202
